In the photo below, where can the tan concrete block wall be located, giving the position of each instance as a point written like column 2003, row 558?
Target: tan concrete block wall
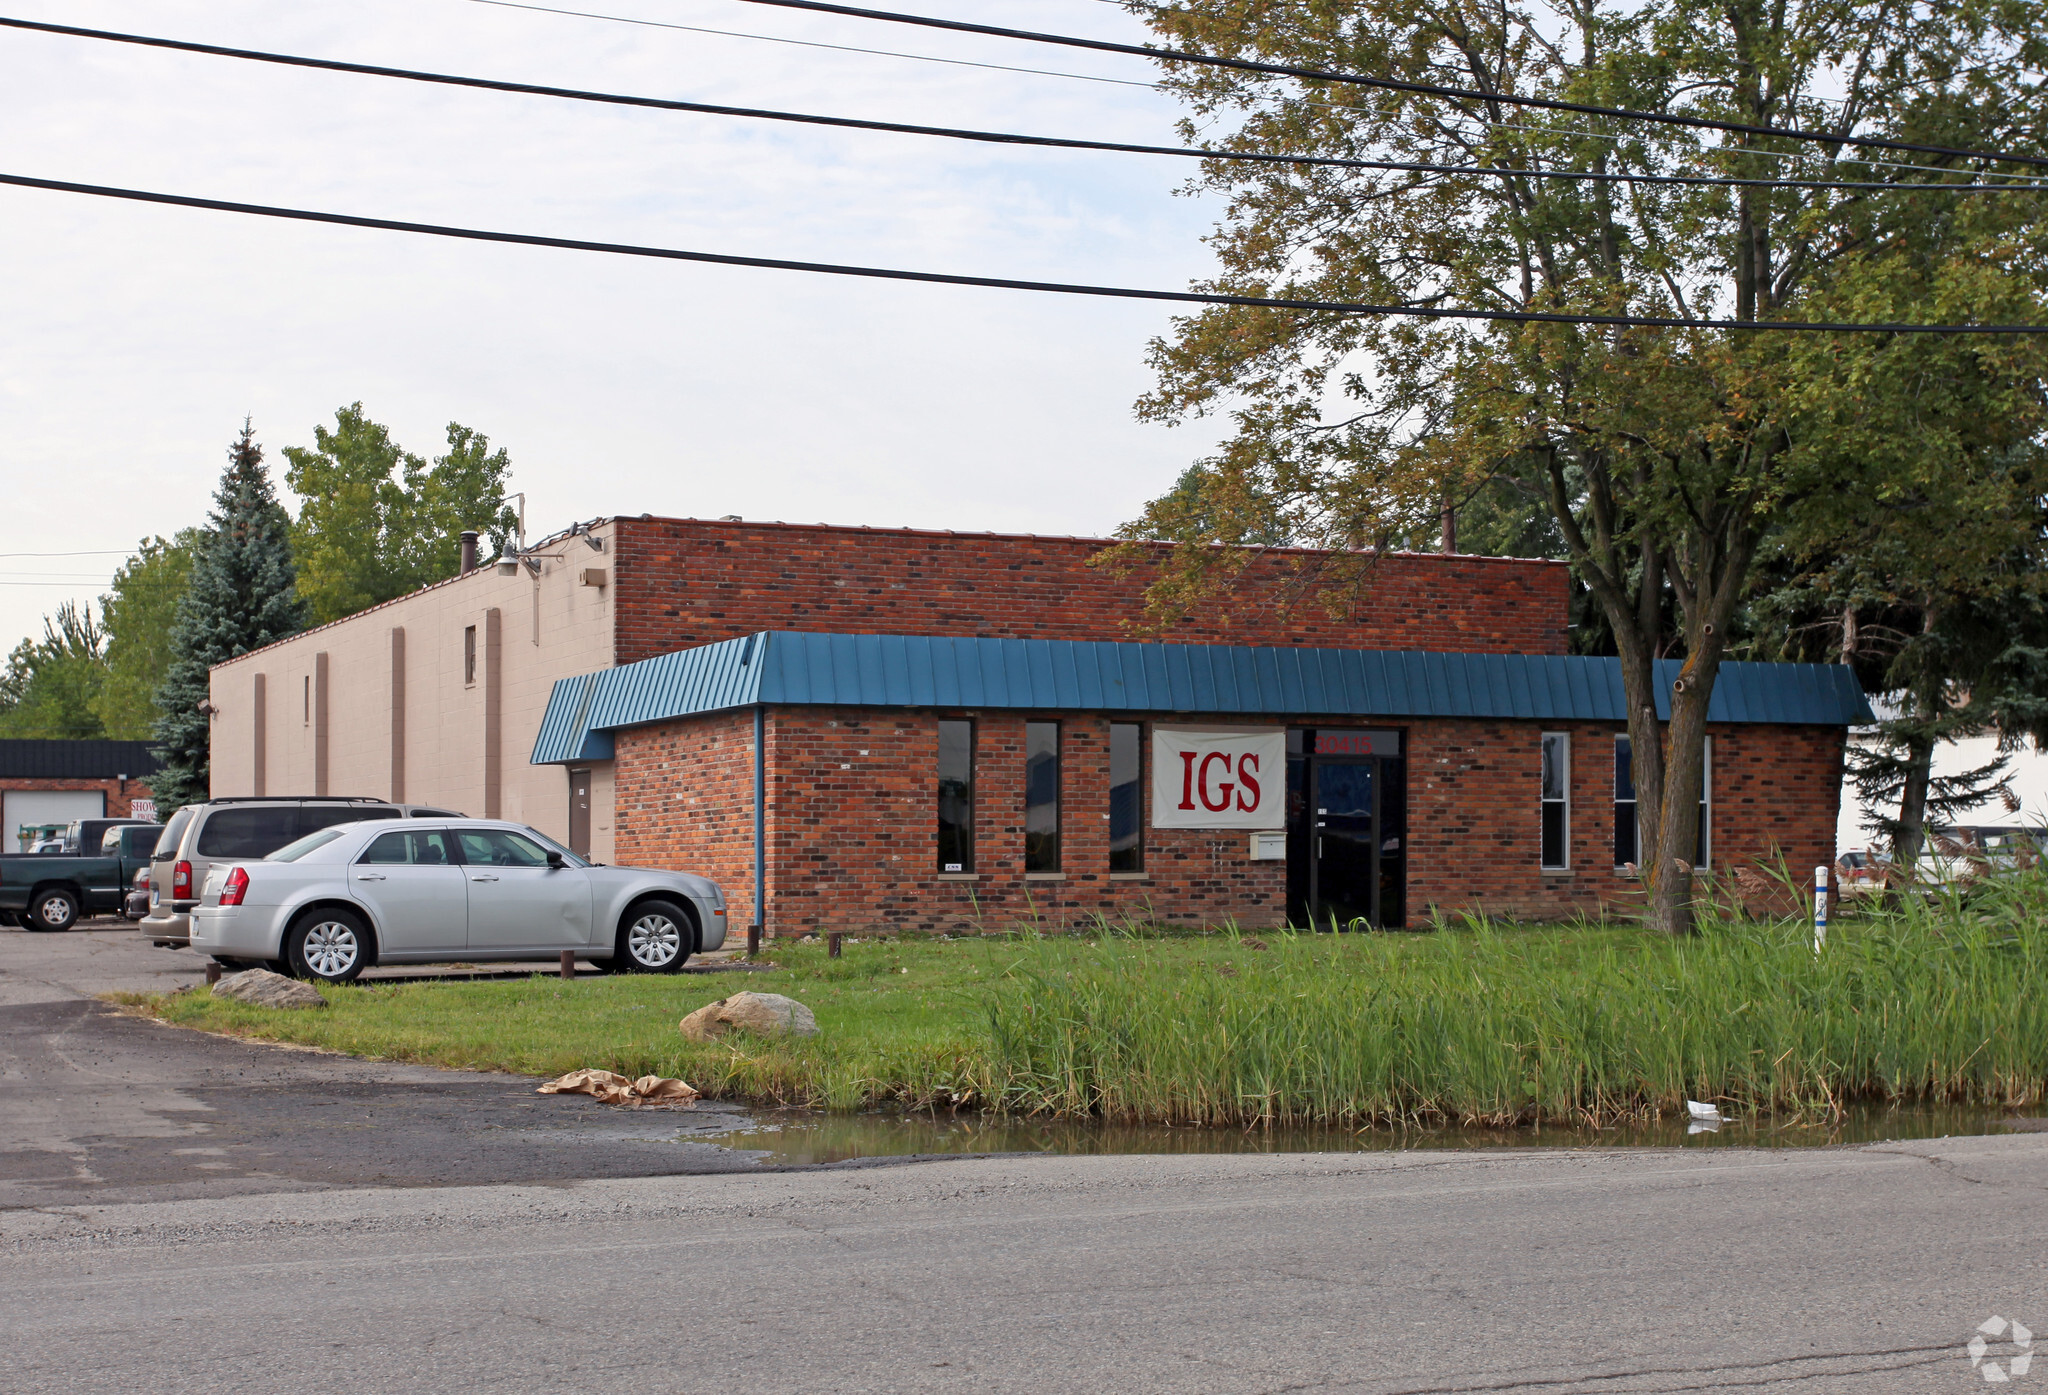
column 552, row 627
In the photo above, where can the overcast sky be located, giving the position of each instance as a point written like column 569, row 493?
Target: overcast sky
column 133, row 340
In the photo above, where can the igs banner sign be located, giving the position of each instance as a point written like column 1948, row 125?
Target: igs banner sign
column 1219, row 777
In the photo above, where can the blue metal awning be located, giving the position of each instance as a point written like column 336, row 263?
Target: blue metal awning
column 786, row 668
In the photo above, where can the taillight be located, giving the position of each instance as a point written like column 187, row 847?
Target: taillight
column 232, row 889
column 142, row 879
column 181, row 881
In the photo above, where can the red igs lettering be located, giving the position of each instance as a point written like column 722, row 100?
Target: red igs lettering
column 1248, row 783
column 1187, row 779
column 1222, row 802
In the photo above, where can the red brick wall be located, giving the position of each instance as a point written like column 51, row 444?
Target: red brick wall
column 852, row 822
column 1473, row 815
column 683, row 797
column 120, row 793
column 684, row 582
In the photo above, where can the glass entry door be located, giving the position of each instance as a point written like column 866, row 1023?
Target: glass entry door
column 1347, row 830
column 1343, row 877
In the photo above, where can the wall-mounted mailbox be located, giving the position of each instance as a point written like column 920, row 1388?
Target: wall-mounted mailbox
column 1269, row 847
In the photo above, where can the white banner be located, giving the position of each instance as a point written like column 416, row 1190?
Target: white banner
column 1219, row 777
column 142, row 808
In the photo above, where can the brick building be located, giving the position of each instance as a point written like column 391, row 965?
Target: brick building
column 859, row 728
column 43, row 783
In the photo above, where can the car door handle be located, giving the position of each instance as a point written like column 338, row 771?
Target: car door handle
column 483, row 879
column 369, row 876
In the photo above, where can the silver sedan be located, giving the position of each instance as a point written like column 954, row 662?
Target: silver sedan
column 399, row 891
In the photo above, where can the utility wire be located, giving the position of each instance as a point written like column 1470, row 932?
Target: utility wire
column 1505, row 126
column 1390, row 84
column 811, row 43
column 335, row 65
column 1431, row 312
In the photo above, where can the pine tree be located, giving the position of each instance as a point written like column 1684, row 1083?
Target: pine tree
column 243, row 596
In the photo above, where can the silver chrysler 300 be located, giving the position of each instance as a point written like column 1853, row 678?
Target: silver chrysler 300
column 399, row 891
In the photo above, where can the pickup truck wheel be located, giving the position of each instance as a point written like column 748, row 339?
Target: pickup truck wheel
column 327, row 947
column 655, row 937
column 53, row 911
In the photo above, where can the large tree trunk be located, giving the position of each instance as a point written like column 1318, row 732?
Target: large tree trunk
column 1912, row 833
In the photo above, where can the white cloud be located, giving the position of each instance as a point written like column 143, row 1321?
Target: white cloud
column 133, row 339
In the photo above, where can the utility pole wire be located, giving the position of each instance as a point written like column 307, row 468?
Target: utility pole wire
column 335, row 65
column 1392, row 84
column 624, row 249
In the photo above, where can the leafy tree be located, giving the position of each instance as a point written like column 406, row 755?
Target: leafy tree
column 137, row 614
column 1666, row 457
column 1941, row 603
column 243, row 595
column 50, row 686
column 379, row 521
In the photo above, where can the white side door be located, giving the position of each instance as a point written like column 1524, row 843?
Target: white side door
column 516, row 900
column 414, row 887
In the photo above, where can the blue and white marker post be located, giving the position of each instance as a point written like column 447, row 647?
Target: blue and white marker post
column 1820, row 908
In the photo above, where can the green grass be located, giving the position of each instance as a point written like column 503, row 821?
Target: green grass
column 1476, row 1023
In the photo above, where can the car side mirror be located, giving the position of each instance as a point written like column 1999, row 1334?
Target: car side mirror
column 556, row 860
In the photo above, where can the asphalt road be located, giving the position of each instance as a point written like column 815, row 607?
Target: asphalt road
column 1834, row 1270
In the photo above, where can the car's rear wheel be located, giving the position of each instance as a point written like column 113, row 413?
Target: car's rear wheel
column 655, row 937
column 53, row 910
column 328, row 946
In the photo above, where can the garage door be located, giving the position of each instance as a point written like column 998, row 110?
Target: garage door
column 27, row 808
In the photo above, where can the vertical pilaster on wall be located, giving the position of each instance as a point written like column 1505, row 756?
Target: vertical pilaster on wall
column 260, row 706
column 320, row 723
column 494, row 711
column 397, row 714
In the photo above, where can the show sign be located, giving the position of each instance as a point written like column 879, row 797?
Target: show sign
column 1219, row 777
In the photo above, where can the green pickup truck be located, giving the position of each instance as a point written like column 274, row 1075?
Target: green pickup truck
column 46, row 891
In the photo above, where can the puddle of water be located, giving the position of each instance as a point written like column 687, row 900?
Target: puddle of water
column 798, row 1136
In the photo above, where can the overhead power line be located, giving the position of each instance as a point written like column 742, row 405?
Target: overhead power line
column 1431, row 312
column 335, row 65
column 1511, row 128
column 812, row 43
column 1425, row 89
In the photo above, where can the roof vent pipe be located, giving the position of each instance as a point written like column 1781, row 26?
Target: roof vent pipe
column 468, row 552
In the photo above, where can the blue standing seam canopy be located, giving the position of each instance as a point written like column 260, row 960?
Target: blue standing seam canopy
column 791, row 668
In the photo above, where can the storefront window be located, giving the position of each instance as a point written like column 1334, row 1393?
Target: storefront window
column 1041, row 796
column 1126, row 797
column 1556, row 796
column 1627, row 845
column 956, row 796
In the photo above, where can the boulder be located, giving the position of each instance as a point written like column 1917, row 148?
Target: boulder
column 768, row 1014
column 262, row 988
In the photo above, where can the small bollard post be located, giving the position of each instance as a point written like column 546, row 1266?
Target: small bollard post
column 568, row 963
column 1820, row 908
column 832, row 944
column 753, row 942
column 212, row 973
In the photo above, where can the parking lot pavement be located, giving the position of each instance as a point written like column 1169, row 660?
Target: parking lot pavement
column 104, row 1106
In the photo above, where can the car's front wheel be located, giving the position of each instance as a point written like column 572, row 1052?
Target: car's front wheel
column 329, row 946
column 654, row 938
column 53, row 910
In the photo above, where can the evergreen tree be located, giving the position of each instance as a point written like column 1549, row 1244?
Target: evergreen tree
column 243, row 595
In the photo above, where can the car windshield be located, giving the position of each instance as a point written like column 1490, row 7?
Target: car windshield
column 573, row 859
column 292, row 852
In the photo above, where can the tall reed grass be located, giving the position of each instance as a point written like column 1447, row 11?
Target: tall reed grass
column 1935, row 1000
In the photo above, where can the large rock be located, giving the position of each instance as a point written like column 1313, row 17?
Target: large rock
column 263, row 988
column 768, row 1014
